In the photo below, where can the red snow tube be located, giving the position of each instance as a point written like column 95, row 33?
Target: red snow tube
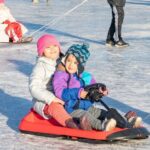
column 35, row 124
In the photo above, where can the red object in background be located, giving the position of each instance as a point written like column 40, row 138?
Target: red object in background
column 13, row 30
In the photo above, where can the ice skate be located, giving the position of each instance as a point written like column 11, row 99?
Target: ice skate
column 85, row 123
column 110, row 43
column 121, row 43
column 71, row 124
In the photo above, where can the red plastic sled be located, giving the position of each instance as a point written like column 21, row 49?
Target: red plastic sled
column 35, row 124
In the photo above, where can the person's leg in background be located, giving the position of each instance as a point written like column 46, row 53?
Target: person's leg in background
column 120, row 13
column 110, row 36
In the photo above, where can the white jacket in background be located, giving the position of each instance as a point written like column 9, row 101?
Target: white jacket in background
column 5, row 14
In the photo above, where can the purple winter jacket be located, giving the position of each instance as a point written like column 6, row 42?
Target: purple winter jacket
column 69, row 89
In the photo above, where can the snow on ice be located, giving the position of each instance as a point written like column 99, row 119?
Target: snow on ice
column 126, row 72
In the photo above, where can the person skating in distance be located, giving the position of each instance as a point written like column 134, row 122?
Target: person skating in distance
column 117, row 8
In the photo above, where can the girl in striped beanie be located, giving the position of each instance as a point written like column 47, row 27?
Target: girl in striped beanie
column 69, row 83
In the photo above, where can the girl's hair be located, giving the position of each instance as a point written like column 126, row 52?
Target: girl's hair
column 59, row 61
column 78, row 75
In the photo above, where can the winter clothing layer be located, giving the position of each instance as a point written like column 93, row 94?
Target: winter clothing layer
column 40, row 84
column 68, row 87
column 5, row 14
column 46, row 41
column 3, row 36
column 56, row 110
column 95, row 115
column 117, row 2
column 11, row 28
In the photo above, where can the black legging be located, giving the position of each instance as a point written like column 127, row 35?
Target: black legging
column 116, row 27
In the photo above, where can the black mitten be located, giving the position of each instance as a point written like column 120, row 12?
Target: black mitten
column 94, row 95
column 93, row 91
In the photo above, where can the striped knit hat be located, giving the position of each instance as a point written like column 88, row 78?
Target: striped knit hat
column 81, row 53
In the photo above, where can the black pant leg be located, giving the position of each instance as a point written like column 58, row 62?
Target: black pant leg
column 103, row 115
column 111, row 31
column 120, row 12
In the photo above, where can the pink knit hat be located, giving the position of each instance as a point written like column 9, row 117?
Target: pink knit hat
column 46, row 41
column 1, row 1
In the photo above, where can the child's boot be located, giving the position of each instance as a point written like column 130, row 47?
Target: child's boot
column 71, row 124
column 110, row 42
column 135, row 121
column 132, row 118
column 85, row 123
column 121, row 43
column 109, row 124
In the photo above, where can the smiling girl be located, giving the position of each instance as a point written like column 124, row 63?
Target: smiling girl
column 46, row 103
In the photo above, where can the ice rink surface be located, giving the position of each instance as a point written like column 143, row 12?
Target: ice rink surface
column 126, row 71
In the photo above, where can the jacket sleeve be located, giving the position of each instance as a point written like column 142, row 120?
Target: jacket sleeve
column 87, row 78
column 70, row 94
column 60, row 87
column 37, row 87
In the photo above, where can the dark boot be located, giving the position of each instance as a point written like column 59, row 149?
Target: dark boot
column 109, row 124
column 110, row 43
column 85, row 123
column 71, row 124
column 130, row 114
column 133, row 119
column 121, row 43
column 121, row 121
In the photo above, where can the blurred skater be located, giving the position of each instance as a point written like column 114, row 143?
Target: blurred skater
column 117, row 8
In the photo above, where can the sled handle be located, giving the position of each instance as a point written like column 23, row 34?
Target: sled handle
column 104, row 104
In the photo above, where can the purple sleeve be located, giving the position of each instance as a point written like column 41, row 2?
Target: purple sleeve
column 61, row 89
column 93, row 80
column 59, row 83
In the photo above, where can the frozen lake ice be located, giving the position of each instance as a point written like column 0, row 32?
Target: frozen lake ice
column 126, row 72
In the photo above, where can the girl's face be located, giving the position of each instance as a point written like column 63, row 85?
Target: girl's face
column 52, row 52
column 71, row 64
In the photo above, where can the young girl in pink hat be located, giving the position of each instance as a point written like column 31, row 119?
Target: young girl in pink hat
column 46, row 103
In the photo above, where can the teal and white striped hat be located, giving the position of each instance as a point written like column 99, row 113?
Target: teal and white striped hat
column 81, row 52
